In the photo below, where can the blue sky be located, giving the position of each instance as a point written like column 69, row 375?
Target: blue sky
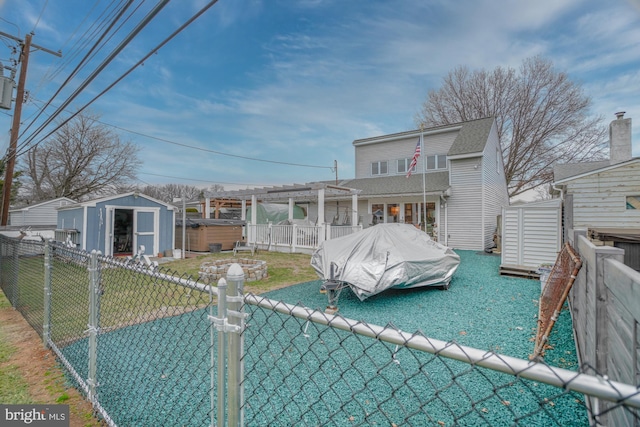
column 295, row 82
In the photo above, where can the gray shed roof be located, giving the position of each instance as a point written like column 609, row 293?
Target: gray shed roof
column 399, row 184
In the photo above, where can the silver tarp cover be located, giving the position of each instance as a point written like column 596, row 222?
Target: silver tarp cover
column 385, row 256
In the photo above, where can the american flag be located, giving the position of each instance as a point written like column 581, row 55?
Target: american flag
column 414, row 160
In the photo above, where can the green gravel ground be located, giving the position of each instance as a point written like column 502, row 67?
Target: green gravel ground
column 481, row 309
column 319, row 376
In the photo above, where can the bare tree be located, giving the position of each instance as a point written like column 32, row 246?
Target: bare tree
column 82, row 158
column 542, row 117
column 168, row 192
column 16, row 183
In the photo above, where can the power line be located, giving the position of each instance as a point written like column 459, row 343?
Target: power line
column 207, row 150
column 40, row 16
column 11, row 23
column 94, row 74
column 73, row 73
column 199, row 180
column 84, row 40
column 24, row 145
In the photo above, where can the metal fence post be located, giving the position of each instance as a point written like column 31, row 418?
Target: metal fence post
column 94, row 290
column 46, row 326
column 220, row 322
column 235, row 304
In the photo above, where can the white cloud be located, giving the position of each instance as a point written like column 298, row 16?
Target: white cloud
column 331, row 72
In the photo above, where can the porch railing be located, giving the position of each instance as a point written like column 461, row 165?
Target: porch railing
column 294, row 237
column 335, row 231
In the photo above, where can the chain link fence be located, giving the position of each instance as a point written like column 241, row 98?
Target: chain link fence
column 148, row 347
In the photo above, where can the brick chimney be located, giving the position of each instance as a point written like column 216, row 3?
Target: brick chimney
column 620, row 139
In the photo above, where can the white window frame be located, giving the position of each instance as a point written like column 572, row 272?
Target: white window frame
column 631, row 202
column 378, row 164
column 437, row 159
column 405, row 166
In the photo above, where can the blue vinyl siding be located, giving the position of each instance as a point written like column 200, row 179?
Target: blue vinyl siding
column 145, row 222
column 98, row 219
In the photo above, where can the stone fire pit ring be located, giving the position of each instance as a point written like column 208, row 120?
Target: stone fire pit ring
column 212, row 271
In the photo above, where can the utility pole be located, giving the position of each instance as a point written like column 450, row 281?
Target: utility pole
column 15, row 127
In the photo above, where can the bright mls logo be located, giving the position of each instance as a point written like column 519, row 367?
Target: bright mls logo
column 34, row 415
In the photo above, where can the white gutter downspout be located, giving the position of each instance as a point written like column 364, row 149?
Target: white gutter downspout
column 561, row 190
column 446, row 216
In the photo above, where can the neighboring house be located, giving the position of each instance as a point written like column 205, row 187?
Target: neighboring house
column 119, row 225
column 40, row 214
column 464, row 184
column 604, row 197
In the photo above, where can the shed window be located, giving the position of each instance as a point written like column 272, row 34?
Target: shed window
column 633, row 202
column 379, row 168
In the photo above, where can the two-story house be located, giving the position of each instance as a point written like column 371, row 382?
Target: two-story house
column 457, row 186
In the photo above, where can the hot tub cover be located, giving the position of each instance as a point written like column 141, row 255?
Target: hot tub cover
column 385, row 256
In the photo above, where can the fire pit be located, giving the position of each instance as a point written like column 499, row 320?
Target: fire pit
column 212, row 271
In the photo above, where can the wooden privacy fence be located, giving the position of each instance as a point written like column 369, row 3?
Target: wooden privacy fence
column 605, row 308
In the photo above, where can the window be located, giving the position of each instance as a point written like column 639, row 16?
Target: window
column 377, row 210
column 438, row 161
column 392, row 212
column 403, row 166
column 379, row 168
column 633, row 202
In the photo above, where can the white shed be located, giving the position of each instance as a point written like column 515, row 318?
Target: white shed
column 44, row 213
column 531, row 234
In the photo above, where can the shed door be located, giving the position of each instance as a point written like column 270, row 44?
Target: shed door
column 146, row 231
column 122, row 232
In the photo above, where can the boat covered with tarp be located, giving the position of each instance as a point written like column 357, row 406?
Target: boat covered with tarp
column 385, row 256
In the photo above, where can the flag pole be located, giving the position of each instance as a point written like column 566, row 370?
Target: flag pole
column 424, row 174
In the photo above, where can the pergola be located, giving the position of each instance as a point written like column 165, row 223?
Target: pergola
column 309, row 192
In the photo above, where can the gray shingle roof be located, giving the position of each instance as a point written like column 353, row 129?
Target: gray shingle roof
column 562, row 171
column 472, row 138
column 399, row 184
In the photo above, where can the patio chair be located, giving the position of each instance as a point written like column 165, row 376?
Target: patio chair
column 241, row 245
